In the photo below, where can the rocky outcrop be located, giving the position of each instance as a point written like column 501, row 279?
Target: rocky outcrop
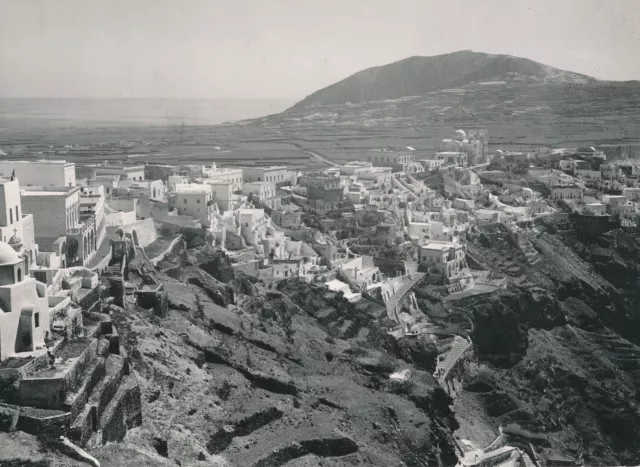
column 278, row 376
column 557, row 350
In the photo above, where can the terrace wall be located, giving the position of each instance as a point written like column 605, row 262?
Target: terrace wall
column 145, row 231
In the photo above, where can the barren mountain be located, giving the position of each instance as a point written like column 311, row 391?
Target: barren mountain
column 415, row 76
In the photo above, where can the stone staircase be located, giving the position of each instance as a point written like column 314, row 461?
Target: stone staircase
column 407, row 286
column 527, row 460
column 459, row 347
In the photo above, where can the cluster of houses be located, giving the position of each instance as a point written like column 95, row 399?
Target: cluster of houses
column 62, row 369
column 364, row 227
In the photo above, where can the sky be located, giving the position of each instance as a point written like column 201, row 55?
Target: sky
column 287, row 49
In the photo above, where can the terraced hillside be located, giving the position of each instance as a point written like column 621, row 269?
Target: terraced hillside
column 283, row 375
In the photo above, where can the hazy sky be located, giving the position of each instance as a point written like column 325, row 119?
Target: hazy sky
column 288, row 48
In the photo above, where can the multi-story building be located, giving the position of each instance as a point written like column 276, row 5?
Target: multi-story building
column 377, row 175
column 396, row 160
column 618, row 204
column 591, row 153
column 567, row 165
column 475, row 145
column 443, row 257
column 355, row 168
column 588, row 174
column 126, row 172
column 289, row 216
column 609, row 171
column 253, row 225
column 157, row 171
column 93, row 217
column 111, row 183
column 458, row 159
column 431, row 164
column 324, row 192
column 275, row 174
column 222, row 194
column 56, row 211
column 362, row 271
column 570, row 192
column 215, row 174
column 191, row 171
column 196, row 201
column 174, row 180
column 40, row 173
column 596, row 209
column 632, row 193
column 13, row 222
column 153, row 189
column 265, row 191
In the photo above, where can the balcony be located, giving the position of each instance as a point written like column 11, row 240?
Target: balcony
column 86, row 225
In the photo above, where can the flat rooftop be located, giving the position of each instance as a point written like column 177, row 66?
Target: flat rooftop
column 192, row 188
column 45, row 193
column 437, row 246
column 39, row 161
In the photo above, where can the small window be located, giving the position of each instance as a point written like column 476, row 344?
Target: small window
column 184, row 201
column 198, row 201
column 36, row 320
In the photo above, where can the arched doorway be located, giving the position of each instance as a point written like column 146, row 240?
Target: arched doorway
column 27, row 261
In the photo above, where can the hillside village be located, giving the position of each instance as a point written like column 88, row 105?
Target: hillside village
column 371, row 230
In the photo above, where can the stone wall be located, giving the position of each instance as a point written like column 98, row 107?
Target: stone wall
column 84, row 392
column 83, row 426
column 153, row 299
column 47, row 427
column 145, row 231
column 123, row 412
column 48, row 393
column 250, row 267
column 193, row 236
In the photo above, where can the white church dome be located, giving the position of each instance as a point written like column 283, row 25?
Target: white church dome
column 460, row 135
column 8, row 255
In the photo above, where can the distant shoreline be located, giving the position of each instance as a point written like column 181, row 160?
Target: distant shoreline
column 91, row 112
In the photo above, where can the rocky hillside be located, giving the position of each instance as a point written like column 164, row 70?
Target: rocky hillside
column 285, row 374
column 558, row 350
column 417, row 76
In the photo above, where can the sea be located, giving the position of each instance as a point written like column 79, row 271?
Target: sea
column 52, row 112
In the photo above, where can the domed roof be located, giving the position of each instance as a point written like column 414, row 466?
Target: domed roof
column 8, row 255
column 587, row 149
column 15, row 240
column 460, row 135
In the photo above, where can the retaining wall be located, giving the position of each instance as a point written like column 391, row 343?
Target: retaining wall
column 145, row 231
column 123, row 412
column 49, row 427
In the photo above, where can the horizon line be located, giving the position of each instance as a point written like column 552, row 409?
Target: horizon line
column 156, row 98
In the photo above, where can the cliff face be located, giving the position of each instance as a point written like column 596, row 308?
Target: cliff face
column 415, row 76
column 558, row 356
column 281, row 373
